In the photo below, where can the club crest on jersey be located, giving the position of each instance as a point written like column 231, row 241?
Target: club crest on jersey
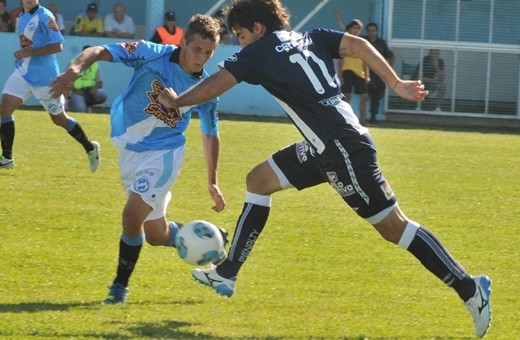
column 31, row 26
column 169, row 117
column 141, row 185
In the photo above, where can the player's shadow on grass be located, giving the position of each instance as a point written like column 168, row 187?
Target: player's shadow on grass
column 36, row 307
column 166, row 330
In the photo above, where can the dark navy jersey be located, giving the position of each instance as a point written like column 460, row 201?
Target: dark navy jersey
column 298, row 69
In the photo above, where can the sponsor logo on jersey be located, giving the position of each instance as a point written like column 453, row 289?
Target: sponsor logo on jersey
column 130, row 48
column 303, row 151
column 145, row 172
column 169, row 117
column 141, row 185
column 332, row 101
column 289, row 45
column 342, row 189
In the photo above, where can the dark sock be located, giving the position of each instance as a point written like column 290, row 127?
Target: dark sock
column 128, row 256
column 78, row 134
column 7, row 138
column 249, row 226
column 429, row 250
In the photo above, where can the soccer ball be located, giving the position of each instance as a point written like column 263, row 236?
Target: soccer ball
column 199, row 243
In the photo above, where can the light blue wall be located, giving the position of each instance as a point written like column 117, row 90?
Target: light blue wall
column 242, row 99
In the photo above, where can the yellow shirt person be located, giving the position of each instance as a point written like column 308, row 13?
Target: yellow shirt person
column 89, row 25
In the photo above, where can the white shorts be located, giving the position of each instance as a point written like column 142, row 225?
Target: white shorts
column 18, row 87
column 151, row 175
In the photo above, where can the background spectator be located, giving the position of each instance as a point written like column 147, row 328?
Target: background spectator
column 6, row 25
column 226, row 37
column 53, row 7
column 86, row 89
column 169, row 33
column 118, row 24
column 89, row 25
column 433, row 76
column 354, row 74
column 15, row 12
column 376, row 87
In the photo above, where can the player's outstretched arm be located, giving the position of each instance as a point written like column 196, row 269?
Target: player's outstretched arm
column 63, row 83
column 207, row 89
column 407, row 89
column 29, row 51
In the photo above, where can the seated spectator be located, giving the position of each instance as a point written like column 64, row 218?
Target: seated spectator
column 14, row 14
column 118, row 24
column 6, row 25
column 86, row 89
column 89, row 24
column 433, row 76
column 53, row 7
column 169, row 33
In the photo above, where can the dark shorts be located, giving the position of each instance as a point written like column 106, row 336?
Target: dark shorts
column 348, row 165
column 352, row 80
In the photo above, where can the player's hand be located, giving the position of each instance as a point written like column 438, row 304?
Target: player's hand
column 62, row 84
column 411, row 89
column 23, row 53
column 217, row 196
column 167, row 98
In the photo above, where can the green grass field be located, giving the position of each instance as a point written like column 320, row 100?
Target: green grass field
column 318, row 271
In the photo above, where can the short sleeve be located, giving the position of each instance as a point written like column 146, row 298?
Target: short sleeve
column 245, row 65
column 135, row 54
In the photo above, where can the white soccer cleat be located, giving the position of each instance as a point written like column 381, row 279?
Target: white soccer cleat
column 93, row 156
column 479, row 306
column 6, row 163
column 210, row 278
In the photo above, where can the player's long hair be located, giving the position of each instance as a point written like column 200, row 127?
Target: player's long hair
column 203, row 25
column 271, row 13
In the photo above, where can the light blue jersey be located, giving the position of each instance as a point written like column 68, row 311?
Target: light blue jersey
column 139, row 123
column 38, row 29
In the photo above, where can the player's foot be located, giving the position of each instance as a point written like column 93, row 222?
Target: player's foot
column 116, row 294
column 479, row 306
column 210, row 278
column 93, row 156
column 6, row 163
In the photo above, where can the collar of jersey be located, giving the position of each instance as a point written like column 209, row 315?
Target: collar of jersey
column 34, row 9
